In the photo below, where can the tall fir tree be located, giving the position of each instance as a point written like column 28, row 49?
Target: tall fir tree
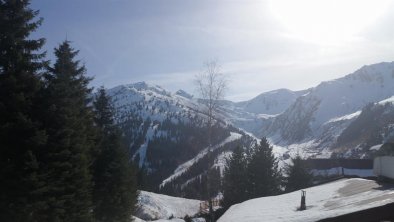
column 115, row 185
column 235, row 179
column 263, row 173
column 298, row 175
column 71, row 136
column 21, row 132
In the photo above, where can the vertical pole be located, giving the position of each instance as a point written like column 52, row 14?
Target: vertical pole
column 303, row 197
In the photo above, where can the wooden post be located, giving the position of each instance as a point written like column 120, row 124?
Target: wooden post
column 303, row 197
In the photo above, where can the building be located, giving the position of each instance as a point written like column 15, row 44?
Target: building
column 383, row 166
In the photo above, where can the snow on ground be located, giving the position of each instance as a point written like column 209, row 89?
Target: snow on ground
column 345, row 117
column 198, row 220
column 328, row 200
column 136, row 219
column 152, row 206
column 376, row 147
column 267, row 116
column 285, row 153
column 221, row 161
column 141, row 152
column 172, row 220
column 389, row 100
column 185, row 166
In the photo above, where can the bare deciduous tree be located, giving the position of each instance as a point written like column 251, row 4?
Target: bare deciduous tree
column 211, row 85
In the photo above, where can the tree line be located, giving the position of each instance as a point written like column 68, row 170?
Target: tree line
column 254, row 172
column 61, row 156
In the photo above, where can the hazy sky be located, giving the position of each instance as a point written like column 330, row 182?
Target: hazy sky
column 261, row 45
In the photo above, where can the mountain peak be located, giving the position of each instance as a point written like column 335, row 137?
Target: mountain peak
column 143, row 86
column 271, row 102
column 138, row 85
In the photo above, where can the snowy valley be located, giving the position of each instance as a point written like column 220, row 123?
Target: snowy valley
column 346, row 116
column 166, row 132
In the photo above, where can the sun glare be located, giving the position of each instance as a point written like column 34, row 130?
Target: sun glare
column 327, row 21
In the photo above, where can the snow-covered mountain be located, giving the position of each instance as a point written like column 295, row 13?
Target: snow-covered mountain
column 142, row 110
column 373, row 126
column 252, row 115
column 270, row 103
column 166, row 132
column 326, row 110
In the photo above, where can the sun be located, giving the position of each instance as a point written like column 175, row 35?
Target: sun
column 327, row 21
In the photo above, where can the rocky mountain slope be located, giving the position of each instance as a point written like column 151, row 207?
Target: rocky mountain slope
column 252, row 115
column 319, row 116
column 372, row 127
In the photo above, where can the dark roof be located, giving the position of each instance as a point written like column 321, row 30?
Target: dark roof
column 323, row 164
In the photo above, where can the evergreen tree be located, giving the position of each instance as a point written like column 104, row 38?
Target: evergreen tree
column 115, row 191
column 21, row 132
column 235, row 179
column 263, row 173
column 69, row 124
column 298, row 175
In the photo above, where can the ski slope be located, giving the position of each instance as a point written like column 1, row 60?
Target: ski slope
column 185, row 166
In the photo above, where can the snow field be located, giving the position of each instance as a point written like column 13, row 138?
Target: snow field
column 152, row 206
column 324, row 201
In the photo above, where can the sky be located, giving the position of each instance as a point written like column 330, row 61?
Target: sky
column 259, row 45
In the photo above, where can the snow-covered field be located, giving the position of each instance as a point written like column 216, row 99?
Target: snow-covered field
column 152, row 206
column 324, row 201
